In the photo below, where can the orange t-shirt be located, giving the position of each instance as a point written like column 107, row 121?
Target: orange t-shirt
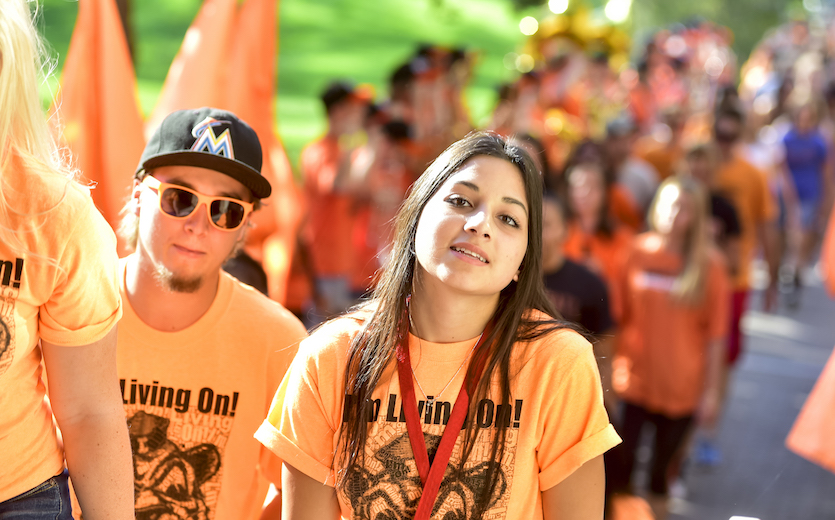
column 663, row 157
column 331, row 216
column 601, row 254
column 559, row 423
column 193, row 399
column 747, row 189
column 68, row 295
column 662, row 348
column 624, row 209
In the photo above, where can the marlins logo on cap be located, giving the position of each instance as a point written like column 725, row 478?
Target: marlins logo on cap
column 207, row 141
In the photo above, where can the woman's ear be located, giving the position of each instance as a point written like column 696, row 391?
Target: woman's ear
column 516, row 276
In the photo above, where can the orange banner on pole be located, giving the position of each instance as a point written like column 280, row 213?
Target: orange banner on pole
column 96, row 107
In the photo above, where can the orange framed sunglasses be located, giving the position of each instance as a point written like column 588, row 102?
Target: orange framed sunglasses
column 225, row 213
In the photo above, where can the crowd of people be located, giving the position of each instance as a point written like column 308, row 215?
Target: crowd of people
column 492, row 312
column 671, row 191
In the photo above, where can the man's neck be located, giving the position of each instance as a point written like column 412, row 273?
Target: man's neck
column 159, row 307
column 447, row 317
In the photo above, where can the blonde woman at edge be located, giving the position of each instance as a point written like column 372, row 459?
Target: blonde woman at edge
column 59, row 304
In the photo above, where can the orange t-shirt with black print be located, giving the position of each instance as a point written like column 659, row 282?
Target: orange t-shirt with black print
column 66, row 292
column 661, row 356
column 558, row 423
column 330, row 224
column 747, row 189
column 193, row 398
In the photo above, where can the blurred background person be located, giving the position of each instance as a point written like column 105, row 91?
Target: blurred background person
column 673, row 319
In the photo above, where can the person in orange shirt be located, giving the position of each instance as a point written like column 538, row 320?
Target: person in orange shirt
column 367, row 420
column 746, row 187
column 326, row 165
column 59, row 306
column 674, row 298
column 594, row 240
column 199, row 353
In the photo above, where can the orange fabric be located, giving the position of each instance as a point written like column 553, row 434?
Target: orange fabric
column 811, row 436
column 828, row 255
column 72, row 302
column 558, row 422
column 746, row 187
column 623, row 209
column 97, row 106
column 194, row 397
column 331, row 218
column 663, row 157
column 661, row 356
column 602, row 254
column 250, row 94
column 197, row 76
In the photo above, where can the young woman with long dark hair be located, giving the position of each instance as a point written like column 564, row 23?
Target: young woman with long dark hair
column 369, row 407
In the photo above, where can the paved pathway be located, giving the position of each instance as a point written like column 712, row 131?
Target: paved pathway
column 759, row 477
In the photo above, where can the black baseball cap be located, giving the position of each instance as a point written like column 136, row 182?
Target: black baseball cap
column 208, row 138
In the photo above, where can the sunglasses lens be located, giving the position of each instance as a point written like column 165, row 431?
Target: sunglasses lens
column 177, row 203
column 227, row 214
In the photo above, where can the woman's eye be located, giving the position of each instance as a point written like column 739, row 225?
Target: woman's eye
column 507, row 219
column 458, row 202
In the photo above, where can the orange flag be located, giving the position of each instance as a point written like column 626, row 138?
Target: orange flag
column 213, row 68
column 97, row 106
column 250, row 94
column 197, row 76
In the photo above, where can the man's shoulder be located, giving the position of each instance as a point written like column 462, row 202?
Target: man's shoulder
column 249, row 306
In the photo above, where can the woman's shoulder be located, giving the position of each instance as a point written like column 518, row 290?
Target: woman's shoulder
column 551, row 340
column 332, row 339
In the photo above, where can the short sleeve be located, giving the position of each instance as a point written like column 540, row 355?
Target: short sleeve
column 576, row 427
column 301, row 426
column 85, row 303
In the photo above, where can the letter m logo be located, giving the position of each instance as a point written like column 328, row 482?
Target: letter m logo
column 207, row 141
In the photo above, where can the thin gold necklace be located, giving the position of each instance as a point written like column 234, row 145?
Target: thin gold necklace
column 430, row 400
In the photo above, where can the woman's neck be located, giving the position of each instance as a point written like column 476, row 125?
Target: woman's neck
column 446, row 316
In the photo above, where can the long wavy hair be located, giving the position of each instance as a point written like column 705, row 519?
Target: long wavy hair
column 373, row 349
column 689, row 285
column 25, row 137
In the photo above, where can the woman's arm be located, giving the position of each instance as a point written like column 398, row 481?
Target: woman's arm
column 578, row 497
column 305, row 498
column 85, row 398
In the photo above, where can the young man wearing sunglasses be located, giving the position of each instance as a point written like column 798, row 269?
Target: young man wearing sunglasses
column 199, row 354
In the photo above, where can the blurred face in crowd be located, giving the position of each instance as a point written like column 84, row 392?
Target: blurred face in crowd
column 674, row 212
column 553, row 234
column 700, row 166
column 586, row 191
column 805, row 120
column 727, row 132
column 348, row 116
column 619, row 148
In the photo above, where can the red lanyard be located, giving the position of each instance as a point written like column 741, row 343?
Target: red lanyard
column 432, row 475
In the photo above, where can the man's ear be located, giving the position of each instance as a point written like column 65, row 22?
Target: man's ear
column 136, row 191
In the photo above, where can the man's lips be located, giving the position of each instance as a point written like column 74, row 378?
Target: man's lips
column 188, row 251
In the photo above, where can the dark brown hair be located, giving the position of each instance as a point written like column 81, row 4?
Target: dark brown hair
column 373, row 349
